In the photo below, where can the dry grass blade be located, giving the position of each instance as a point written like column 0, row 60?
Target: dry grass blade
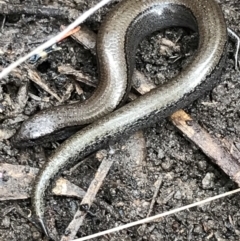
column 158, row 184
column 150, row 219
column 55, row 39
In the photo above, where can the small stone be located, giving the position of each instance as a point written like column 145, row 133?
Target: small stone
column 36, row 235
column 113, row 192
column 208, row 181
column 161, row 154
column 175, row 225
column 202, row 165
column 198, row 229
column 156, row 237
column 150, row 229
column 160, row 78
column 167, row 165
column 211, row 224
column 101, row 154
column 6, row 222
column 178, row 195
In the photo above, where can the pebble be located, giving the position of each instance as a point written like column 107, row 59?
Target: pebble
column 208, row 181
column 178, row 195
column 161, row 154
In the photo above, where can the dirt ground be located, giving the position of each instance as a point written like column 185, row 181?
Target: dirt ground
column 187, row 174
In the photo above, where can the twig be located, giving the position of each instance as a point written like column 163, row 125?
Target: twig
column 209, row 145
column 33, row 75
column 77, row 221
column 55, row 39
column 25, row 216
column 236, row 39
column 86, row 37
column 68, row 70
column 38, row 10
column 142, row 229
column 21, row 98
column 65, row 188
column 150, row 219
column 3, row 22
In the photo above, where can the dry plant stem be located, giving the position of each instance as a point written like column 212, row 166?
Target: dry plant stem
column 210, row 146
column 22, row 97
column 85, row 37
column 65, row 188
column 55, row 39
column 38, row 10
column 231, row 148
column 18, row 186
column 158, row 185
column 150, row 219
column 33, row 75
column 75, row 30
column 88, row 199
column 68, row 70
column 3, row 24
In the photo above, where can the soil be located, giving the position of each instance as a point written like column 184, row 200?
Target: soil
column 187, row 174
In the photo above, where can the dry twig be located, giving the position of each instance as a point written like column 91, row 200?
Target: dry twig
column 158, row 184
column 85, row 37
column 210, row 146
column 55, row 39
column 88, row 199
column 33, row 75
column 68, row 70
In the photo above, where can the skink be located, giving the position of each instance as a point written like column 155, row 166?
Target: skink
column 120, row 34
